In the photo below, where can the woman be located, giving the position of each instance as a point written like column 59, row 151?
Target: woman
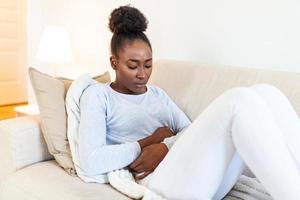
column 127, row 123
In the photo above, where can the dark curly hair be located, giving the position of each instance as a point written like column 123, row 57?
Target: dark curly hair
column 127, row 24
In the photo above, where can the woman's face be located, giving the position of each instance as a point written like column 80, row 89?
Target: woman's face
column 133, row 67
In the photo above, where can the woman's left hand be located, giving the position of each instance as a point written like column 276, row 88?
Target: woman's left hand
column 149, row 159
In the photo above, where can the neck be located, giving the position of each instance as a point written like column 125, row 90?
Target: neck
column 119, row 88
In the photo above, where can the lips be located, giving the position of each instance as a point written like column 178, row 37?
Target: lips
column 140, row 86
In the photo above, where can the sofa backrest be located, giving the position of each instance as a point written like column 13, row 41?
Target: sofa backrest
column 193, row 86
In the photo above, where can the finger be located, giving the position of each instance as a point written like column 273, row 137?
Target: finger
column 140, row 168
column 137, row 162
column 141, row 176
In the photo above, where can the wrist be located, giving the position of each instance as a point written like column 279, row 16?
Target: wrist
column 145, row 141
column 165, row 145
column 141, row 143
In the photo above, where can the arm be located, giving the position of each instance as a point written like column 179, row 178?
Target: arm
column 97, row 157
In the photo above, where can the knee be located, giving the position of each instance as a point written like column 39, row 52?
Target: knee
column 267, row 88
column 243, row 96
column 239, row 93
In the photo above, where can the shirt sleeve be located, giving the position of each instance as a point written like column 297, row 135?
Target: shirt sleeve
column 171, row 140
column 179, row 121
column 96, row 157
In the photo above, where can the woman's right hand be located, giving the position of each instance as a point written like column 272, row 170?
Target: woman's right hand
column 148, row 160
column 158, row 136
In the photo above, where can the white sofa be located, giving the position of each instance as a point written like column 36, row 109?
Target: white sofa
column 28, row 172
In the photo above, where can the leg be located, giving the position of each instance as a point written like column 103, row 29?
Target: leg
column 273, row 158
column 195, row 166
column 235, row 168
column 198, row 175
column 284, row 115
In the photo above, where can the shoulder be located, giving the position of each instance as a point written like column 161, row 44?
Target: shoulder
column 95, row 91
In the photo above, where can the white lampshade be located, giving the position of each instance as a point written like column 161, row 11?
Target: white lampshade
column 55, row 46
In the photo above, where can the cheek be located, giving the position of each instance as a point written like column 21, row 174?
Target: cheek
column 128, row 75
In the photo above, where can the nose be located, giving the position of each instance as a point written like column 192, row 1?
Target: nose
column 141, row 74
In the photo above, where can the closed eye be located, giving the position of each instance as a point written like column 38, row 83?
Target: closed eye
column 132, row 67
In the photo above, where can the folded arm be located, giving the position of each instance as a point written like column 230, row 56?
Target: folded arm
column 95, row 155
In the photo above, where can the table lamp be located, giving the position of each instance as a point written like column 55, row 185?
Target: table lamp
column 54, row 46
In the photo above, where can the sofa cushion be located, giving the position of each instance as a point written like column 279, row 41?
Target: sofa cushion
column 50, row 93
column 47, row 181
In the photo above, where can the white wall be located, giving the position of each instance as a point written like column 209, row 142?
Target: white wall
column 34, row 29
column 257, row 33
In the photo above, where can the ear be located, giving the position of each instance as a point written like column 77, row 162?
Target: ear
column 113, row 62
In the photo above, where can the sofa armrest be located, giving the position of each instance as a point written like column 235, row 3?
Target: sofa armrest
column 21, row 144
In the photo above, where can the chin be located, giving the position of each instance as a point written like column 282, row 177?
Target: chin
column 139, row 90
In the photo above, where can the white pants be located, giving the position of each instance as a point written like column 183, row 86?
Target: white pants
column 256, row 125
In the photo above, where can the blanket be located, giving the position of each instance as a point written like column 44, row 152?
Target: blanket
column 246, row 188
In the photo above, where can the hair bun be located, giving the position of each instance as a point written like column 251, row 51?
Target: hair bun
column 127, row 19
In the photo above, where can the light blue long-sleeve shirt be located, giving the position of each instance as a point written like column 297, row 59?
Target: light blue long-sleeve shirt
column 111, row 124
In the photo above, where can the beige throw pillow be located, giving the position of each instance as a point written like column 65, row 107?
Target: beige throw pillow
column 50, row 94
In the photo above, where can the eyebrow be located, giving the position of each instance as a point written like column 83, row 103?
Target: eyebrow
column 135, row 60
